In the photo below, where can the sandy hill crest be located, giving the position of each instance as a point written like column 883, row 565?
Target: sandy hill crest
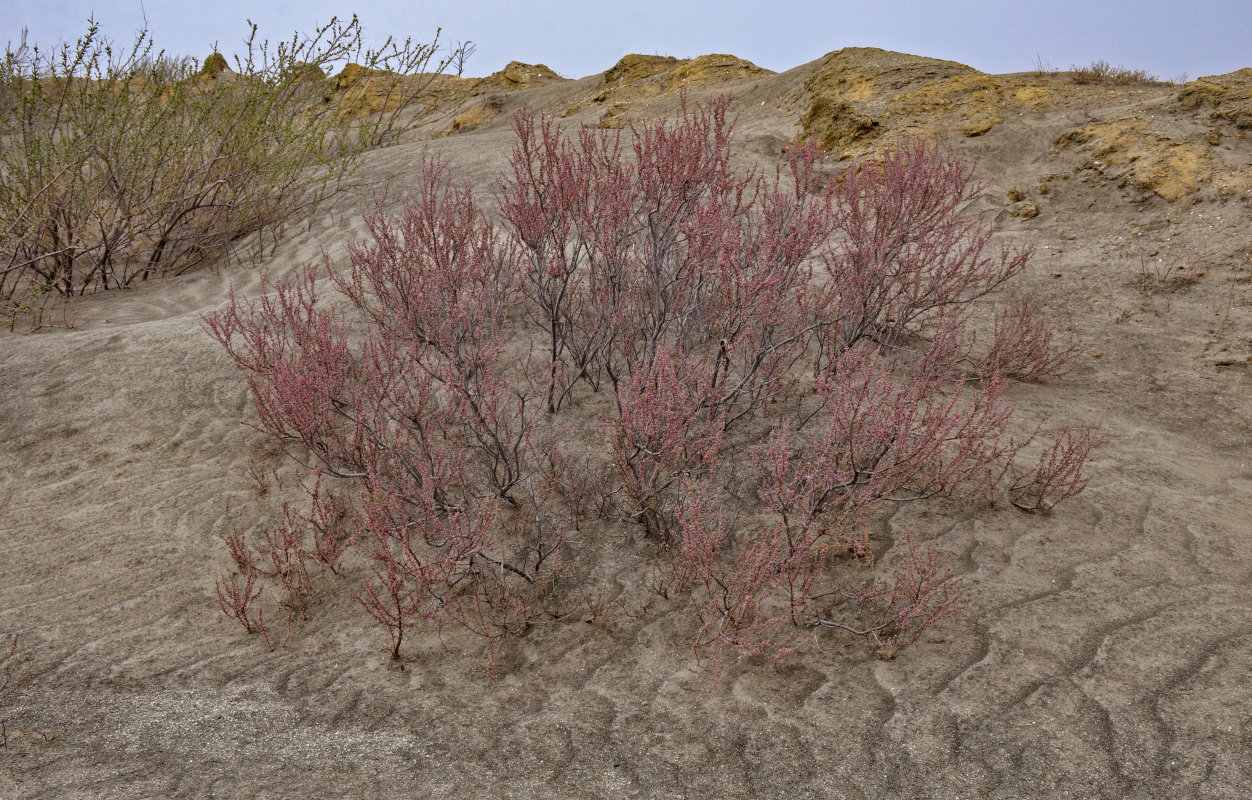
column 1156, row 137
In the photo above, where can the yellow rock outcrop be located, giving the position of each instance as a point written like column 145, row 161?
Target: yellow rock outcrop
column 1226, row 97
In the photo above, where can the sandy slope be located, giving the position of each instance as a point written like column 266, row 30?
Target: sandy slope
column 1106, row 653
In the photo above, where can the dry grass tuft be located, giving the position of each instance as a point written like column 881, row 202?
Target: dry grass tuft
column 1103, row 72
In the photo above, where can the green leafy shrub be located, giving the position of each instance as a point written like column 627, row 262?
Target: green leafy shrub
column 120, row 164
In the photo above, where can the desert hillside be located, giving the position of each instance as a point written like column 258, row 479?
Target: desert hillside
column 1106, row 647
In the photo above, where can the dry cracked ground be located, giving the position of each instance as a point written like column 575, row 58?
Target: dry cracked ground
column 1107, row 647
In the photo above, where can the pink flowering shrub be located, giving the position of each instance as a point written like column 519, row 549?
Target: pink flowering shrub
column 758, row 363
column 398, row 392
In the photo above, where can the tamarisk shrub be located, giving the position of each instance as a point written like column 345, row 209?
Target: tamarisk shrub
column 626, row 258
column 660, row 439
column 905, row 252
column 399, row 391
column 920, row 592
column 1022, row 346
column 670, row 274
column 876, row 437
column 777, row 357
column 280, row 558
column 689, row 287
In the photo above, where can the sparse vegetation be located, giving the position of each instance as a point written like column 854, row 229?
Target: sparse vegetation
column 118, row 164
column 1161, row 276
column 12, row 678
column 161, row 68
column 1104, row 72
column 460, row 54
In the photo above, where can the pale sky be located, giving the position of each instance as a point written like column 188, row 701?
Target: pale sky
column 576, row 38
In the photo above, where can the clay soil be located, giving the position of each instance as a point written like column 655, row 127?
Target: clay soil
column 1105, row 653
